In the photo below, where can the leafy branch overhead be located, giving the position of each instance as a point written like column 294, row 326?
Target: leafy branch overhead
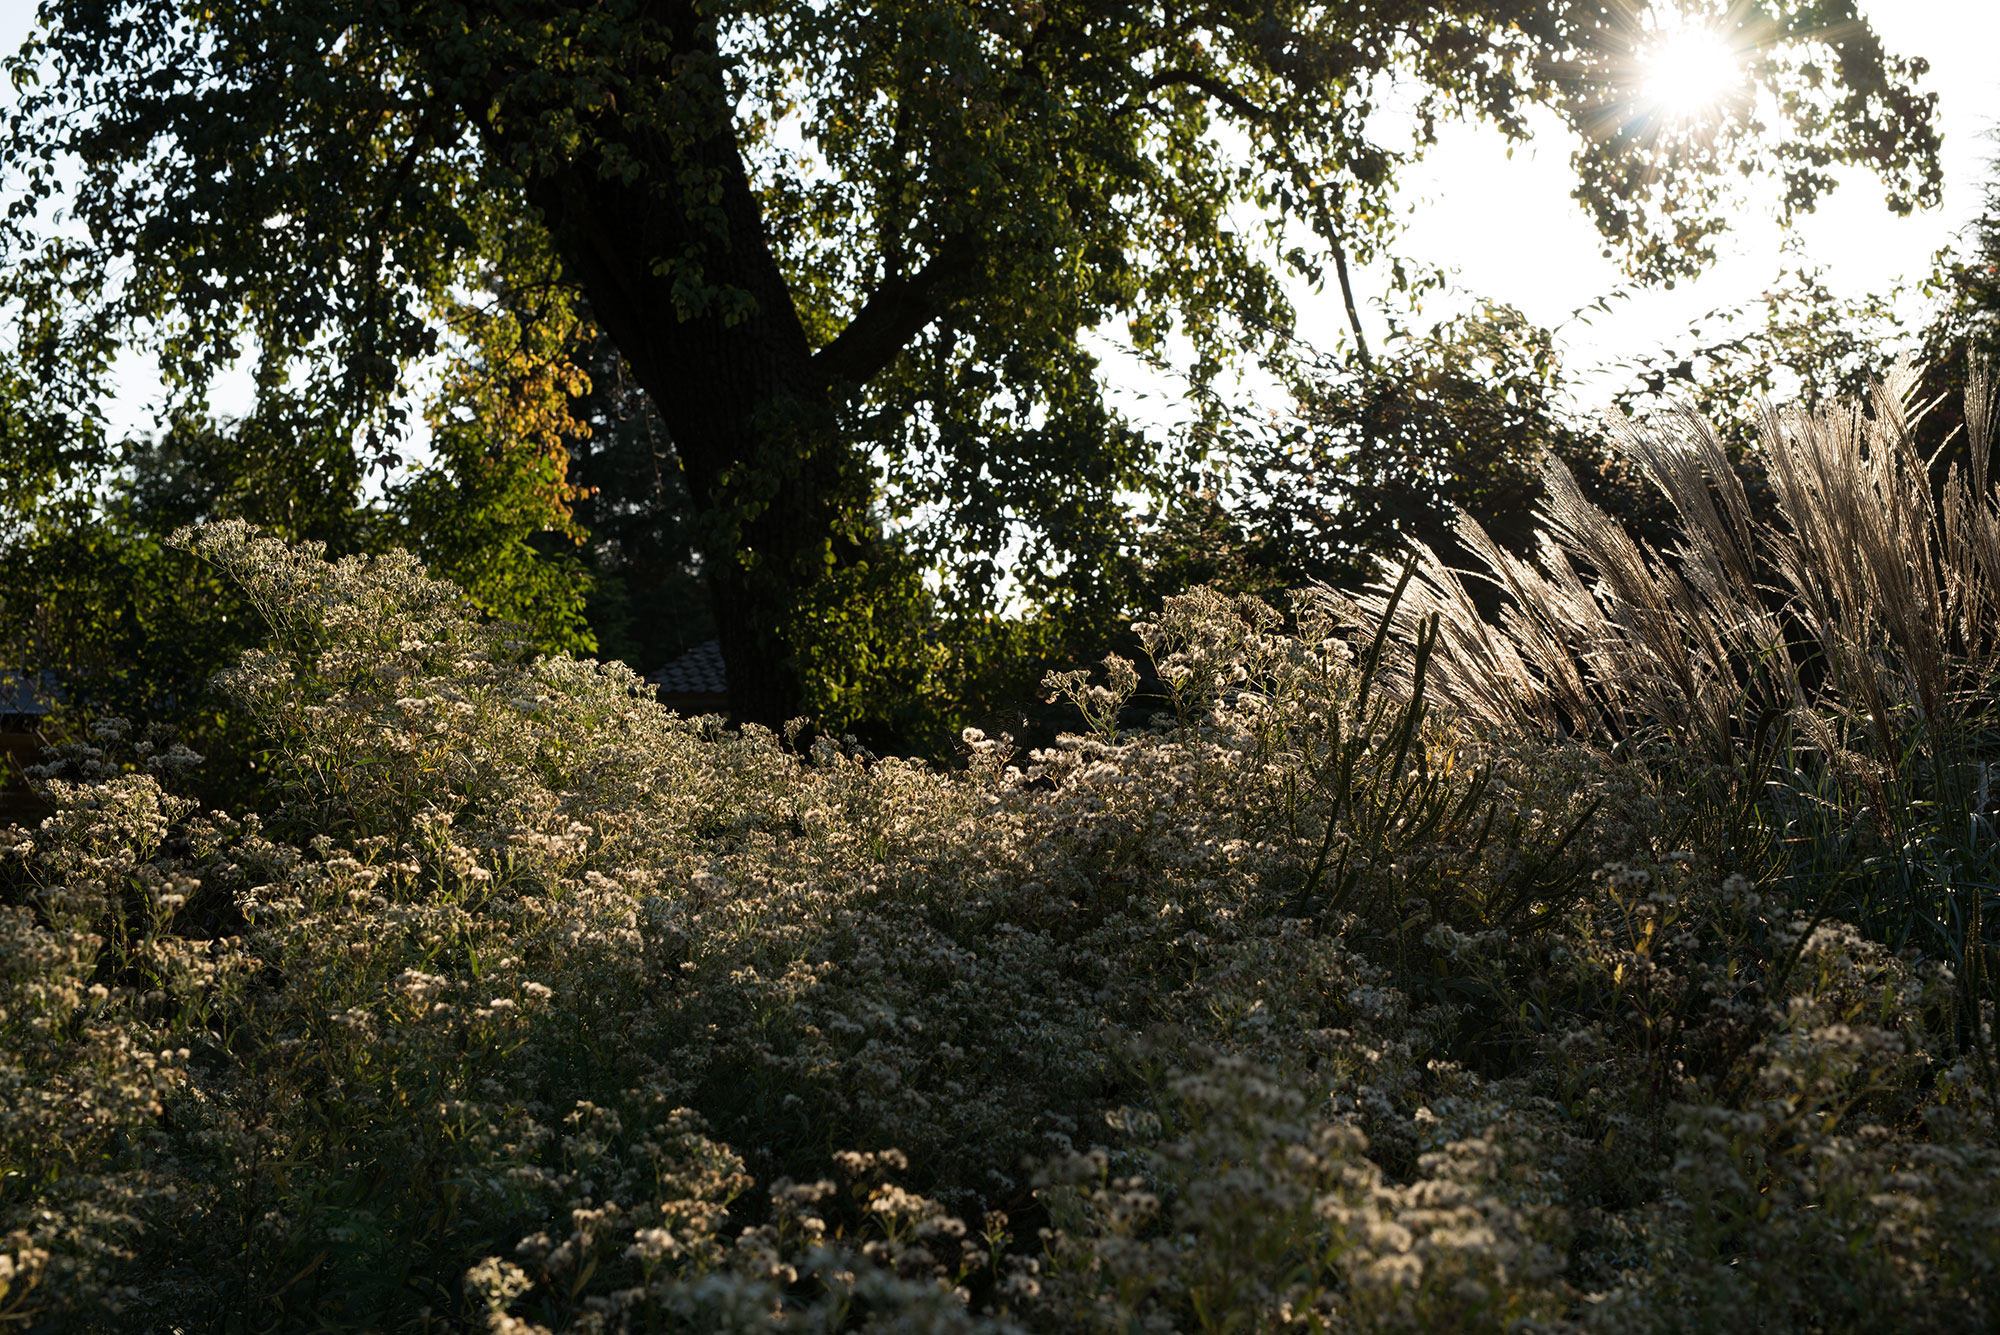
column 848, row 250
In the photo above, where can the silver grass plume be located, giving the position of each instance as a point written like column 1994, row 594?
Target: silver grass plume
column 1891, row 583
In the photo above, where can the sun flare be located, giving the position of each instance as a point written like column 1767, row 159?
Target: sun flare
column 1691, row 71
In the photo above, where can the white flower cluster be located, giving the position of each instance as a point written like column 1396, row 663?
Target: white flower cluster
column 1305, row 1007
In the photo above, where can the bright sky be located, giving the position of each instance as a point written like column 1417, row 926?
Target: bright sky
column 1509, row 230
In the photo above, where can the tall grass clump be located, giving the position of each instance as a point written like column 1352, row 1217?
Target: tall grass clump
column 1840, row 664
column 1339, row 995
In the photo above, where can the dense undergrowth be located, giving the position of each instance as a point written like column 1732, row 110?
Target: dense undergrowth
column 1341, row 995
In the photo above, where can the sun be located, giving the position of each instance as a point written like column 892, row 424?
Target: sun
column 1688, row 73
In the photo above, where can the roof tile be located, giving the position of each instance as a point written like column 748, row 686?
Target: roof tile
column 699, row 671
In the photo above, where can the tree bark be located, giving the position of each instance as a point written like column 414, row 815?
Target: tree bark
column 753, row 430
column 750, row 415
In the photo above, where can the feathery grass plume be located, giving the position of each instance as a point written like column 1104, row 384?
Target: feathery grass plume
column 1854, row 643
column 1879, row 583
column 1599, row 637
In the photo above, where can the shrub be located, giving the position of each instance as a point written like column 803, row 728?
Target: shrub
column 1317, row 1002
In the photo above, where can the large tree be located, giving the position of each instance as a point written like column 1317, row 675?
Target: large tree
column 847, row 249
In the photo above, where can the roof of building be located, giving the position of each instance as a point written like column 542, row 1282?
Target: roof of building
column 699, row 671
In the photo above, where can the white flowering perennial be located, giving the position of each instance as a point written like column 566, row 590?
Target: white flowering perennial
column 528, row 1006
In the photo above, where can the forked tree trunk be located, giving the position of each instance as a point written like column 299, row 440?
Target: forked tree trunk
column 780, row 494
column 749, row 413
column 753, row 431
column 765, row 467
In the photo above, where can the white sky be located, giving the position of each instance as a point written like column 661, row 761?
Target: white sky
column 1505, row 229
column 1509, row 230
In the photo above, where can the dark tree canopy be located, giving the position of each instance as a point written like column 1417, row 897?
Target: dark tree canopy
column 846, row 249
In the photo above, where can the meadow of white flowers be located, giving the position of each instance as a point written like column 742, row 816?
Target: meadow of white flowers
column 1315, row 1003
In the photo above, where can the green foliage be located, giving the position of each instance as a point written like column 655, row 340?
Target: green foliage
column 1380, row 453
column 1811, row 347
column 492, row 511
column 122, row 625
column 523, row 1005
column 1965, row 332
column 126, row 627
column 1972, row 283
column 119, row 623
column 832, row 240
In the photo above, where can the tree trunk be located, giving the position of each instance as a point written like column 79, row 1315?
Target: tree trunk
column 754, row 434
column 777, row 490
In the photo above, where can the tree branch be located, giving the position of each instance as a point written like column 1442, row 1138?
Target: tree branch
column 1212, row 86
column 894, row 314
column 1347, row 295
